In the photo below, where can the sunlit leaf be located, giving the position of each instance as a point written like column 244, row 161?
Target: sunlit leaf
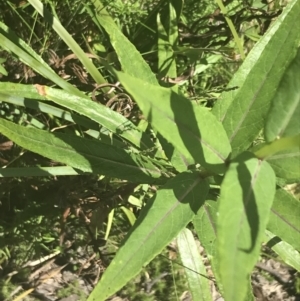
column 192, row 129
column 194, row 267
column 284, row 218
column 284, row 115
column 243, row 109
column 164, row 216
column 247, row 193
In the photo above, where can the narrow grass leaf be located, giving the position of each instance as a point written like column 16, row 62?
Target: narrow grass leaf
column 45, row 108
column 284, row 218
column 101, row 114
column 68, row 39
column 247, row 193
column 195, row 270
column 286, row 252
column 244, row 108
column 192, row 129
column 83, row 154
column 131, row 60
column 166, row 41
column 164, row 216
column 284, row 115
column 12, row 43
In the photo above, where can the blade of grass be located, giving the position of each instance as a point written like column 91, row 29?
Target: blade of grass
column 61, row 31
column 237, row 40
column 12, row 43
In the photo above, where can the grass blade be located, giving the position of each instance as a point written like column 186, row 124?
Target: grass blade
column 68, row 39
column 194, row 268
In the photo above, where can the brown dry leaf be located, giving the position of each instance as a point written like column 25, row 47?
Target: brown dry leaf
column 7, row 145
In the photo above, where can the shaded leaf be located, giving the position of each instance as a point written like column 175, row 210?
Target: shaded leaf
column 243, row 109
column 284, row 115
column 247, row 193
column 164, row 216
column 86, row 155
column 192, row 129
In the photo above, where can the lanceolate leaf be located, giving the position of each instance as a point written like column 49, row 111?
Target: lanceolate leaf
column 131, row 60
column 247, row 193
column 192, row 129
column 205, row 223
column 86, row 155
column 103, row 115
column 194, row 268
column 164, row 216
column 284, row 115
column 284, row 218
column 243, row 109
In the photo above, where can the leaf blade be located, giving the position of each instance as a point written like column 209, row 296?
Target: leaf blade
column 247, row 193
column 284, row 218
column 195, row 133
column 86, row 155
column 194, row 267
column 243, row 109
column 283, row 117
column 159, row 222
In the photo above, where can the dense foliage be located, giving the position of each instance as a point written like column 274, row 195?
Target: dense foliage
column 182, row 117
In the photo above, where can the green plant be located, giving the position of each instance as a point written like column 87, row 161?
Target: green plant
column 211, row 169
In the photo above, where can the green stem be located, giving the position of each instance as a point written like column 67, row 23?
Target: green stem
column 276, row 146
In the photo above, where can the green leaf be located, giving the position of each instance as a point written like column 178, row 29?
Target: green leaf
column 247, row 193
column 284, row 218
column 68, row 39
column 193, row 265
column 205, row 223
column 244, row 108
column 12, row 43
column 286, row 164
column 103, row 115
column 164, row 216
column 192, row 129
column 131, row 60
column 284, row 115
column 38, row 171
column 286, row 252
column 86, row 155
column 167, row 40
